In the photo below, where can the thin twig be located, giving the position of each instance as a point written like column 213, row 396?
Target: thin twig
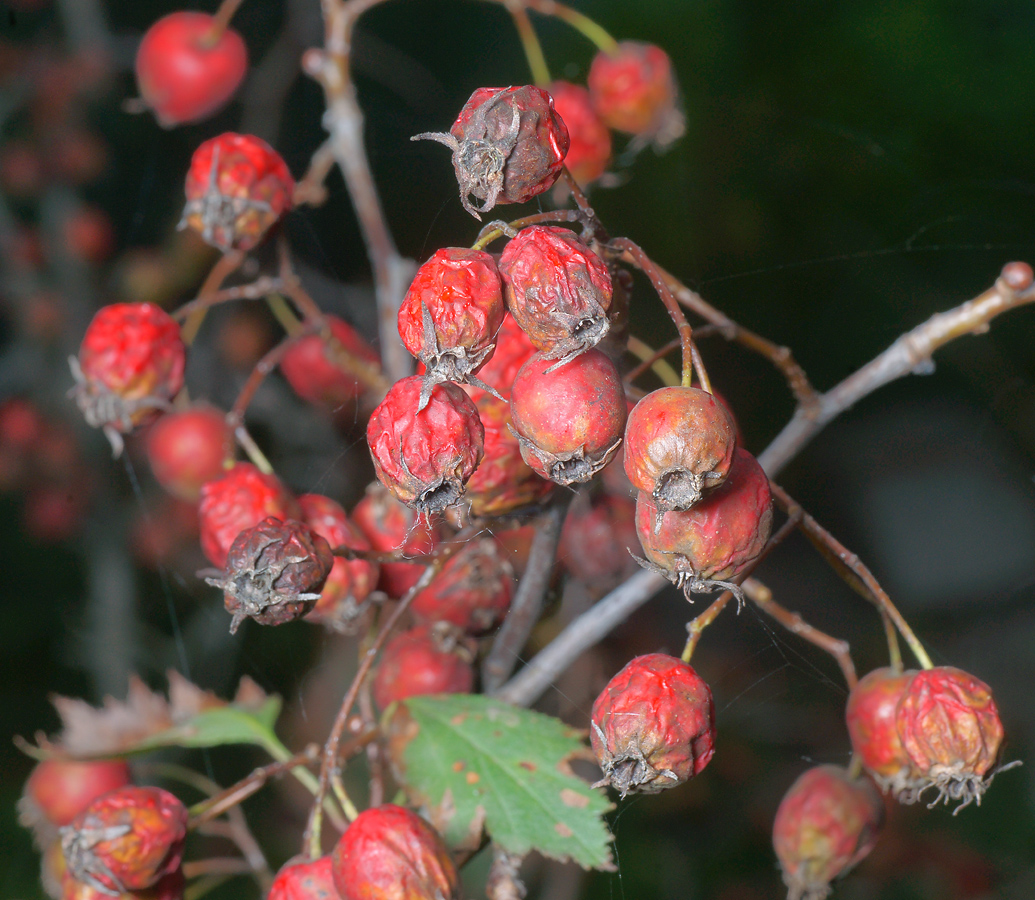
column 255, row 290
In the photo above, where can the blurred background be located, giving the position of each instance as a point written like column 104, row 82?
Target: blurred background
column 848, row 169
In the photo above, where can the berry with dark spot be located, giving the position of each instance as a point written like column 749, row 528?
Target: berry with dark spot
column 305, row 879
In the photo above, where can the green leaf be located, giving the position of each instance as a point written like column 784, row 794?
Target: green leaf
column 218, row 726
column 474, row 761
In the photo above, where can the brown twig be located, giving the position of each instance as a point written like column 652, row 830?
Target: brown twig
column 311, row 189
column 225, row 266
column 255, row 290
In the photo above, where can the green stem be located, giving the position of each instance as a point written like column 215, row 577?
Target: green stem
column 530, row 43
column 581, row 23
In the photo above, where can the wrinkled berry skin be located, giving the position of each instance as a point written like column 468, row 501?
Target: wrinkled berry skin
column 557, row 290
column 126, row 840
column 513, row 350
column 305, row 880
column 950, row 727
column 679, row 442
column 634, row 89
column 589, row 150
column 570, row 420
column 508, row 146
column 390, row 853
column 130, row 365
column 350, row 582
column 827, row 823
column 452, row 312
column 599, row 539
column 653, row 726
column 274, row 572
column 425, row 457
column 168, row 887
column 719, row 537
column 241, row 498
column 472, row 591
column 309, row 366
column 870, row 715
column 182, row 73
column 187, row 448
column 60, row 789
column 423, row 660
column 237, row 188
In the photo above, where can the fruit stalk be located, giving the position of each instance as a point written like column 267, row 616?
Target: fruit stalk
column 530, row 42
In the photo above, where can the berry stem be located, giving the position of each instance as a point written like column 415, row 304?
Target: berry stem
column 284, row 314
column 311, row 189
column 581, row 23
column 257, row 290
column 652, row 359
column 221, row 21
column 894, row 651
column 252, row 451
column 227, row 264
column 529, row 42
column 492, row 231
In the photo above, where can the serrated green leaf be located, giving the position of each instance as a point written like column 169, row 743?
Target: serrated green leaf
column 473, row 760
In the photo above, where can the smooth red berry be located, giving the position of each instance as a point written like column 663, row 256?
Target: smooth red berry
column 569, row 417
column 390, row 853
column 826, row 823
column 634, row 90
column 508, row 146
column 590, row 149
column 188, row 447
column 424, row 660
column 185, row 70
column 653, row 725
column 60, row 789
column 598, row 540
column 237, row 187
column 513, row 350
column 241, row 498
column 557, row 290
column 324, row 375
column 305, row 880
column 871, row 718
column 679, row 442
column 425, row 456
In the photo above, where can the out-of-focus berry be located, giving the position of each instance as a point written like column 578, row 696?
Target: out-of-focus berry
column 513, row 350
column 326, row 375
column 598, row 540
column 89, row 234
column 187, row 448
column 423, row 660
column 634, row 90
column 590, row 149
column 59, row 789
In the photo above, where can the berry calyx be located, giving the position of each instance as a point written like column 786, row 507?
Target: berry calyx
column 237, row 187
column 513, row 350
column 187, row 448
column 634, row 90
column 424, row 660
column 508, row 146
column 425, row 456
column 557, row 290
column 391, row 853
column 871, row 719
column 58, row 790
column 589, row 150
column 185, row 71
column 569, row 417
column 310, row 366
column 653, row 726
column 826, row 823
column 305, row 879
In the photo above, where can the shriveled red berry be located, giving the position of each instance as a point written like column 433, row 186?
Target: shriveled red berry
column 59, row 789
column 187, row 448
column 351, row 581
column 472, row 591
column 557, row 290
column 950, row 727
column 871, row 719
column 424, row 660
column 598, row 540
column 590, row 148
column 274, row 572
column 241, row 498
column 634, row 90
column 305, row 879
column 168, row 887
column 326, row 375
column 425, row 456
column 126, row 840
column 390, row 853
column 237, row 188
column 186, row 70
column 653, row 725
column 508, row 146
column 827, row 823
column 703, row 547
column 130, row 365
column 513, row 350
column 570, row 418
column 679, row 443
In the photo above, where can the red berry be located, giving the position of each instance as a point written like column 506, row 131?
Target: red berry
column 344, row 597
column 390, row 853
column 870, row 716
column 391, row 526
column 653, row 725
column 678, row 443
column 60, row 789
column 718, row 538
column 598, row 540
column 241, row 498
column 569, row 417
column 513, row 350
column 425, row 456
column 274, row 572
column 634, row 90
column 305, row 880
column 827, row 822
column 168, row 887
column 950, row 727
column 590, row 148
column 472, row 591
column 237, row 188
column 185, row 70
column 423, row 660
column 130, row 364
column 318, row 372
column 557, row 290
column 451, row 314
column 88, row 234
column 126, row 840
column 188, row 448
column 22, row 426
column 508, row 146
